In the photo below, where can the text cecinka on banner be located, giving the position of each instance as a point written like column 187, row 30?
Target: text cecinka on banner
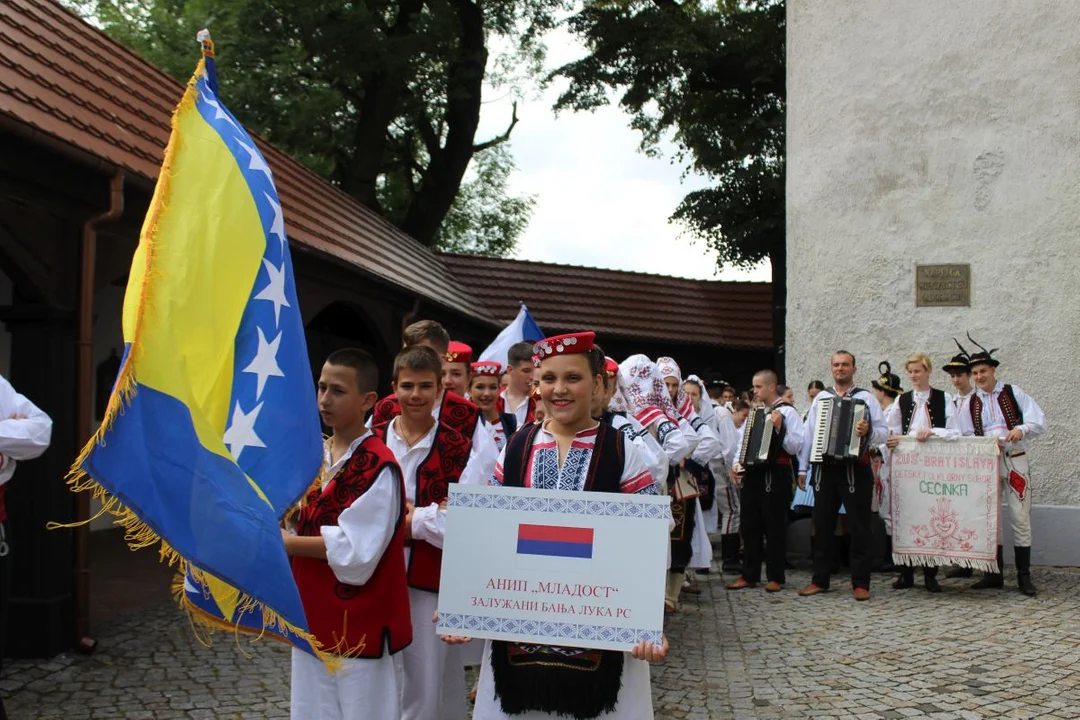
column 944, row 497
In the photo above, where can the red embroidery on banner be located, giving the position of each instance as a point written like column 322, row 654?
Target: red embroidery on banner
column 943, row 531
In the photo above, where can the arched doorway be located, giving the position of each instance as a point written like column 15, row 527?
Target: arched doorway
column 340, row 325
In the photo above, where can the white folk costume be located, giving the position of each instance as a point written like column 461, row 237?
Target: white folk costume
column 888, row 383
column 913, row 411
column 434, row 685
column 507, row 424
column 995, row 414
column 707, row 451
column 721, row 506
column 537, row 682
column 651, row 404
column 356, row 600
column 25, row 433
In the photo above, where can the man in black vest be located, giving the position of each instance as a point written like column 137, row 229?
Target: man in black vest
column 1011, row 415
column 849, row 483
column 767, row 490
column 923, row 412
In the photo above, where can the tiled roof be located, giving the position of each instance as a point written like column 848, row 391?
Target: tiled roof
column 622, row 304
column 63, row 78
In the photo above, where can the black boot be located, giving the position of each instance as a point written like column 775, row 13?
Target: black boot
column 929, row 576
column 993, row 580
column 1023, row 571
column 906, row 579
column 887, row 565
column 729, row 553
column 959, row 572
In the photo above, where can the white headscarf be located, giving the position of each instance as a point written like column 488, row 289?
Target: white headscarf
column 618, row 402
column 643, row 387
column 669, row 368
column 706, row 412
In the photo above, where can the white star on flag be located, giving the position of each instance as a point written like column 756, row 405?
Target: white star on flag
column 278, row 226
column 241, row 433
column 257, row 162
column 275, row 289
column 219, row 113
column 265, row 363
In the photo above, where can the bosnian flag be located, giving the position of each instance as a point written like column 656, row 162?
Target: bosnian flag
column 524, row 328
column 555, row 541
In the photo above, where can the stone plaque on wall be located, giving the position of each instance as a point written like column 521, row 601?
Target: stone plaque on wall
column 943, row 285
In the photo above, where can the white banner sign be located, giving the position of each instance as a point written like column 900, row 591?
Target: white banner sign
column 578, row 569
column 944, row 497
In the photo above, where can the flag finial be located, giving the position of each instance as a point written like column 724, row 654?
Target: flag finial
column 207, row 43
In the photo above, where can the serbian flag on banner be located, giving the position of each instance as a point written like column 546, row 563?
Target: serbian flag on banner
column 212, row 433
column 555, row 541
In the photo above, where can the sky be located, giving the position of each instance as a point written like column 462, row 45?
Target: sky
column 600, row 202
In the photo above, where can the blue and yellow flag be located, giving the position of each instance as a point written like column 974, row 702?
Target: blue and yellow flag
column 212, row 431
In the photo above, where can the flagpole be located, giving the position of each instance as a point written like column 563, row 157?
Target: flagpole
column 83, row 407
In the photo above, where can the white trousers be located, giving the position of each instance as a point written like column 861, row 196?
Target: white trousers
column 434, row 687
column 1019, row 505
column 362, row 689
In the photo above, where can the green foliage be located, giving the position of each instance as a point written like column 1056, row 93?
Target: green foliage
column 381, row 97
column 485, row 218
column 711, row 76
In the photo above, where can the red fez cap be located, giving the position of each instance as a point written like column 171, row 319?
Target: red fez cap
column 458, row 352
column 573, row 343
column 611, row 366
column 487, row 367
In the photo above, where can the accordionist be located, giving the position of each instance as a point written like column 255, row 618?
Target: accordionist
column 771, row 438
column 847, row 480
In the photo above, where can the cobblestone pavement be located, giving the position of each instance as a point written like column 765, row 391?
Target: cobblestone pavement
column 961, row 654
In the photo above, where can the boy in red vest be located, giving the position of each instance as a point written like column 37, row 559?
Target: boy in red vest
column 432, row 454
column 348, row 557
column 450, row 407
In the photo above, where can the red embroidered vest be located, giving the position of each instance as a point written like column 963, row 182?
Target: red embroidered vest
column 1010, row 409
column 443, row 465
column 355, row 620
column 456, row 412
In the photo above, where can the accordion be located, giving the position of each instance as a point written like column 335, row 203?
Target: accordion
column 834, row 435
column 757, row 438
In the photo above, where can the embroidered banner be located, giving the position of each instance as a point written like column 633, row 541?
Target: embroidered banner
column 944, row 498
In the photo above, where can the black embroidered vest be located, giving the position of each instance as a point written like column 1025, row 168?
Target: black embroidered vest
column 935, row 404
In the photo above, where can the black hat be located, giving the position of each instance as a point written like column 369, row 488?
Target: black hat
column 960, row 363
column 888, row 383
column 986, row 357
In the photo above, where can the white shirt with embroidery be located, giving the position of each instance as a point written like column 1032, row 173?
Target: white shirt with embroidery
column 356, row 544
column 993, row 421
column 542, row 471
column 23, row 437
column 429, row 523
column 920, row 417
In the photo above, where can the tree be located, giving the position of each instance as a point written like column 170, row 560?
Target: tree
column 381, row 97
column 711, row 75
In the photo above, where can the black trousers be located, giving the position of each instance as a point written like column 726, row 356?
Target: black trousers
column 765, row 498
column 5, row 594
column 850, row 485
